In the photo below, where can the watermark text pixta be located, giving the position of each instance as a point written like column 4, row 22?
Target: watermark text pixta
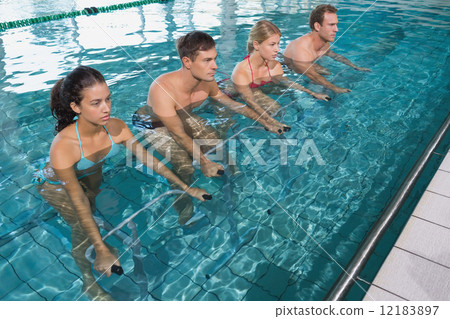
column 288, row 151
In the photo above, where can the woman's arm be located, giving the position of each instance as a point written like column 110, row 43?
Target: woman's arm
column 288, row 83
column 242, row 109
column 280, row 78
column 62, row 160
column 241, row 81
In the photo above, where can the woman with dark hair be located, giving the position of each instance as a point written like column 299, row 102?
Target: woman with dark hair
column 86, row 137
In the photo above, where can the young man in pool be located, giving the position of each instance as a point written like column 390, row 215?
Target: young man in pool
column 302, row 53
column 172, row 128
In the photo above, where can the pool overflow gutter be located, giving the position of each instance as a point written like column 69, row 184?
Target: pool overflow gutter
column 72, row 14
column 348, row 277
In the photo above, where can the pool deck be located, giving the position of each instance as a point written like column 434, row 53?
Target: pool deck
column 418, row 266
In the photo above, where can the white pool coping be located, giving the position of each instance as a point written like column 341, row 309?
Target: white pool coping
column 418, row 266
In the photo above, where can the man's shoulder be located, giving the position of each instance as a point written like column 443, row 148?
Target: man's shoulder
column 301, row 48
column 166, row 77
column 165, row 82
column 304, row 42
column 301, row 43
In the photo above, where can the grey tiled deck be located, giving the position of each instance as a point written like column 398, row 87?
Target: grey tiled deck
column 418, row 266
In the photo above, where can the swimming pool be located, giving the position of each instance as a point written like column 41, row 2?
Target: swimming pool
column 274, row 232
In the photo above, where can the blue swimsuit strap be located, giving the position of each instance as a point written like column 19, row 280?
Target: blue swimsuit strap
column 81, row 147
column 110, row 138
column 79, row 140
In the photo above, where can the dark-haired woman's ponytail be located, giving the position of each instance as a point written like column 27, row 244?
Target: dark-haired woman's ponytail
column 60, row 106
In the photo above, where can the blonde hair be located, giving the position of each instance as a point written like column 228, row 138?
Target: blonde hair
column 261, row 31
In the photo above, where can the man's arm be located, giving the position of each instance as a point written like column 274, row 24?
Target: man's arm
column 164, row 107
column 344, row 60
column 309, row 69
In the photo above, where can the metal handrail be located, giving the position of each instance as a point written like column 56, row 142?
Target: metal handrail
column 366, row 248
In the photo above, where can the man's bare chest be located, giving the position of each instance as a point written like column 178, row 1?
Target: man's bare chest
column 191, row 100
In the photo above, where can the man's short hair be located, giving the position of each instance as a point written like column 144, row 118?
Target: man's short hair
column 189, row 44
column 318, row 13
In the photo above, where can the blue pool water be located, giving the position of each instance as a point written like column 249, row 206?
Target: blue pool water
column 274, row 231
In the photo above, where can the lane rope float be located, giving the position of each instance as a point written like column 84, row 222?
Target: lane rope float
column 73, row 14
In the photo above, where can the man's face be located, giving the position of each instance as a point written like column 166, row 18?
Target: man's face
column 204, row 66
column 328, row 29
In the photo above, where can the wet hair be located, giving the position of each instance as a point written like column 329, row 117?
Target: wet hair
column 319, row 12
column 261, row 31
column 189, row 44
column 69, row 89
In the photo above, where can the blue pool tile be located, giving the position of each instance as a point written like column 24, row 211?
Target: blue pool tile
column 172, row 250
column 170, row 290
column 53, row 242
column 217, row 239
column 10, row 281
column 267, row 241
column 227, row 286
column 249, row 263
column 6, row 226
column 310, row 279
column 68, row 263
column 281, row 222
column 256, row 293
column 130, row 193
column 205, row 296
column 73, row 293
column 109, row 203
column 17, row 242
column 304, row 290
column 123, row 288
column 285, row 257
column 197, row 267
column 155, row 270
column 52, row 281
column 14, row 205
column 24, row 293
column 251, row 209
column 30, row 260
column 275, row 280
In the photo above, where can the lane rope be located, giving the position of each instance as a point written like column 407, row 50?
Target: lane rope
column 73, row 14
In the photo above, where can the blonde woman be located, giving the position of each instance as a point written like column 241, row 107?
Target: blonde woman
column 260, row 68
